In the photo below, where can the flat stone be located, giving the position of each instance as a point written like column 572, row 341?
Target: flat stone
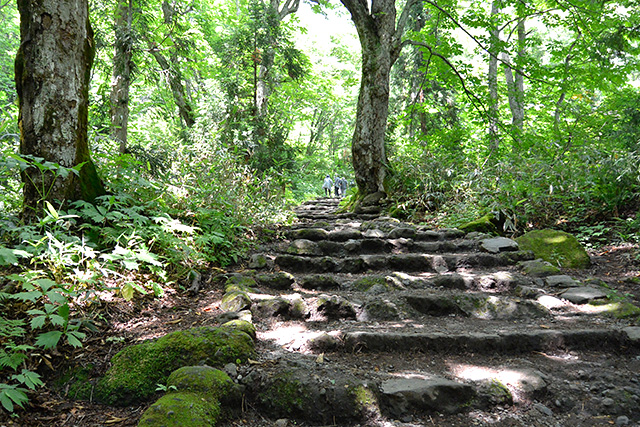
column 257, row 261
column 561, row 281
column 304, row 247
column 405, row 232
column 374, row 233
column 583, row 294
column 539, row 268
column 401, row 396
column 499, row 244
column 633, row 334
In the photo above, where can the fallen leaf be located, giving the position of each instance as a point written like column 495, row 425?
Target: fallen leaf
column 173, row 322
column 115, row 420
column 320, row 358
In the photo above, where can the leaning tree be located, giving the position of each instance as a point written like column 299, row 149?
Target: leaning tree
column 52, row 71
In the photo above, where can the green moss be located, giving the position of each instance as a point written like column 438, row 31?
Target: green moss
column 181, row 410
column 235, row 301
column 212, row 384
column 619, row 309
column 556, row 247
column 366, row 283
column 285, row 396
column 241, row 325
column 485, row 224
column 137, row 369
column 364, row 399
column 239, row 283
column 78, row 384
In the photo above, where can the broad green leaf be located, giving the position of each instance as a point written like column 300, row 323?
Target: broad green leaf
column 46, row 284
column 29, row 379
column 139, row 288
column 127, row 291
column 7, row 403
column 38, row 322
column 7, row 257
column 49, row 339
column 32, row 296
column 74, row 337
column 157, row 289
column 129, row 264
column 57, row 320
column 16, row 395
column 64, row 310
column 56, row 297
column 52, row 211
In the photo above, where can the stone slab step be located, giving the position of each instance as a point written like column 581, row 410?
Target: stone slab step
column 401, row 262
column 489, row 343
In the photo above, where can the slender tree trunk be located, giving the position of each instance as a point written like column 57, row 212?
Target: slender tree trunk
column 262, row 89
column 492, row 76
column 174, row 78
column 52, row 71
column 515, row 85
column 380, row 41
column 121, row 80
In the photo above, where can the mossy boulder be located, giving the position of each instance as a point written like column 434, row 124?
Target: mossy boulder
column 485, row 224
column 235, row 301
column 181, row 410
column 136, row 370
column 211, row 383
column 556, row 247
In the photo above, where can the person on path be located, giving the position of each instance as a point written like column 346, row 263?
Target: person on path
column 336, row 188
column 327, row 184
column 343, row 186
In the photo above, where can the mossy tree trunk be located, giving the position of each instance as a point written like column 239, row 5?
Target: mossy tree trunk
column 53, row 67
column 380, row 39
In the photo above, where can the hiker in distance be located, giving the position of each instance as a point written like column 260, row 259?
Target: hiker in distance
column 327, row 184
column 343, row 186
column 336, row 184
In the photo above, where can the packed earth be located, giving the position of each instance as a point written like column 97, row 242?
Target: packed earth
column 363, row 320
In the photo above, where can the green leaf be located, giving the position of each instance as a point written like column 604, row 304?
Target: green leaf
column 28, row 378
column 129, row 264
column 14, row 394
column 139, row 288
column 7, row 403
column 74, row 337
column 157, row 289
column 46, row 284
column 57, row 320
column 32, row 296
column 64, row 310
column 49, row 339
column 127, row 291
column 52, row 210
column 7, row 257
column 56, row 297
column 38, row 322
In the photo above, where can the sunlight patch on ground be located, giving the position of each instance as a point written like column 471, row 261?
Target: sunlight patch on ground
column 551, row 302
column 292, row 337
column 514, row 379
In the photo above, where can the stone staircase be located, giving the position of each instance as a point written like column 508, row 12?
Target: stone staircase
column 364, row 320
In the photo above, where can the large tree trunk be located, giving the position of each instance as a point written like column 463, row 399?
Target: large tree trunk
column 53, row 68
column 121, row 80
column 380, row 41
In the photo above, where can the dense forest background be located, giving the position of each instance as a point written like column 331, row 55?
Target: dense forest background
column 208, row 119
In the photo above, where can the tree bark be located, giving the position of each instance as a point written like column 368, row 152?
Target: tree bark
column 52, row 71
column 380, row 41
column 515, row 84
column 121, row 80
column 492, row 76
column 174, row 78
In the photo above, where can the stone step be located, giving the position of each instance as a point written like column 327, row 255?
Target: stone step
column 352, row 233
column 508, row 342
column 429, row 263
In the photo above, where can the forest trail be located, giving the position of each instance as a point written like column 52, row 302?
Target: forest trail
column 364, row 320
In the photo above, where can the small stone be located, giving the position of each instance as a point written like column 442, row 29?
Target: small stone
column 282, row 422
column 608, row 402
column 231, row 369
column 622, row 420
column 543, row 410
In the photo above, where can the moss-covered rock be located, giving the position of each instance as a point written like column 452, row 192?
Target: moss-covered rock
column 557, row 247
column 485, row 224
column 235, row 301
column 181, row 410
column 240, row 283
column 241, row 325
column 365, row 283
column 211, row 383
column 136, row 370
column 538, row 268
